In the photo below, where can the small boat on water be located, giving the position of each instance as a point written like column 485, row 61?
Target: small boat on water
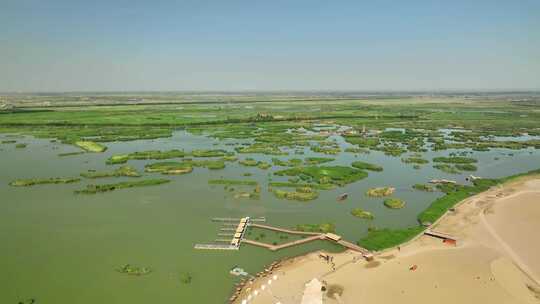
column 343, row 197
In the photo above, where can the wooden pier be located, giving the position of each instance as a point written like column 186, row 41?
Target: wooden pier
column 235, row 229
column 299, row 242
column 352, row 246
column 283, row 229
column 313, row 236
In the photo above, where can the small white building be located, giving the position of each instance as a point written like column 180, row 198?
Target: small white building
column 313, row 293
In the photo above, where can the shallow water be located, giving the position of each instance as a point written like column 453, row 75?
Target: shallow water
column 59, row 247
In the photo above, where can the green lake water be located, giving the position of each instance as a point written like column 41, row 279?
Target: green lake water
column 58, row 247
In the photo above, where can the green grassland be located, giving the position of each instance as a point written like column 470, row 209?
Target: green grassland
column 75, row 121
column 379, row 239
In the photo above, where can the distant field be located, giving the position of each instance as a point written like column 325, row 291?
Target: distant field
column 130, row 117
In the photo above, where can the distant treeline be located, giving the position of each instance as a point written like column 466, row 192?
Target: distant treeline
column 214, row 122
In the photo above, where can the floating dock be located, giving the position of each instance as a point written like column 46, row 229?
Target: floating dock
column 233, row 219
column 215, row 247
column 234, row 228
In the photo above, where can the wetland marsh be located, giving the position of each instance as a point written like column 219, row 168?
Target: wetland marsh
column 175, row 167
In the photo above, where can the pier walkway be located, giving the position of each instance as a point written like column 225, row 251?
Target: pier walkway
column 260, row 244
column 299, row 242
column 237, row 236
column 215, row 247
column 352, row 246
column 313, row 237
column 283, row 229
column 284, row 245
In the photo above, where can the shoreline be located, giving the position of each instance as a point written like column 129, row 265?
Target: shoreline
column 419, row 245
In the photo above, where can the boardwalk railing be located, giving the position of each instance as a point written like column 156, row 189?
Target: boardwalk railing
column 283, row 229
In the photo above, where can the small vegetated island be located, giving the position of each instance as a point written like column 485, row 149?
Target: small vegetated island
column 366, row 166
column 133, row 270
column 380, row 191
column 361, row 213
column 300, row 194
column 394, row 203
column 250, row 162
column 231, row 182
column 423, row 187
column 169, row 168
column 323, row 177
column 186, row 278
column 317, row 160
column 152, row 154
column 415, row 160
column 127, row 171
column 160, row 155
column 91, row 146
column 454, row 164
column 43, row 181
column 337, row 175
column 70, row 153
column 228, row 183
column 293, row 162
column 93, row 189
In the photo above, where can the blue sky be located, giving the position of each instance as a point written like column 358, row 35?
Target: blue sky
column 71, row 45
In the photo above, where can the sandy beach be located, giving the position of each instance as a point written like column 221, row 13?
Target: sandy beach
column 496, row 260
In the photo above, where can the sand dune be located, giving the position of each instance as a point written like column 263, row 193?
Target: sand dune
column 496, row 260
